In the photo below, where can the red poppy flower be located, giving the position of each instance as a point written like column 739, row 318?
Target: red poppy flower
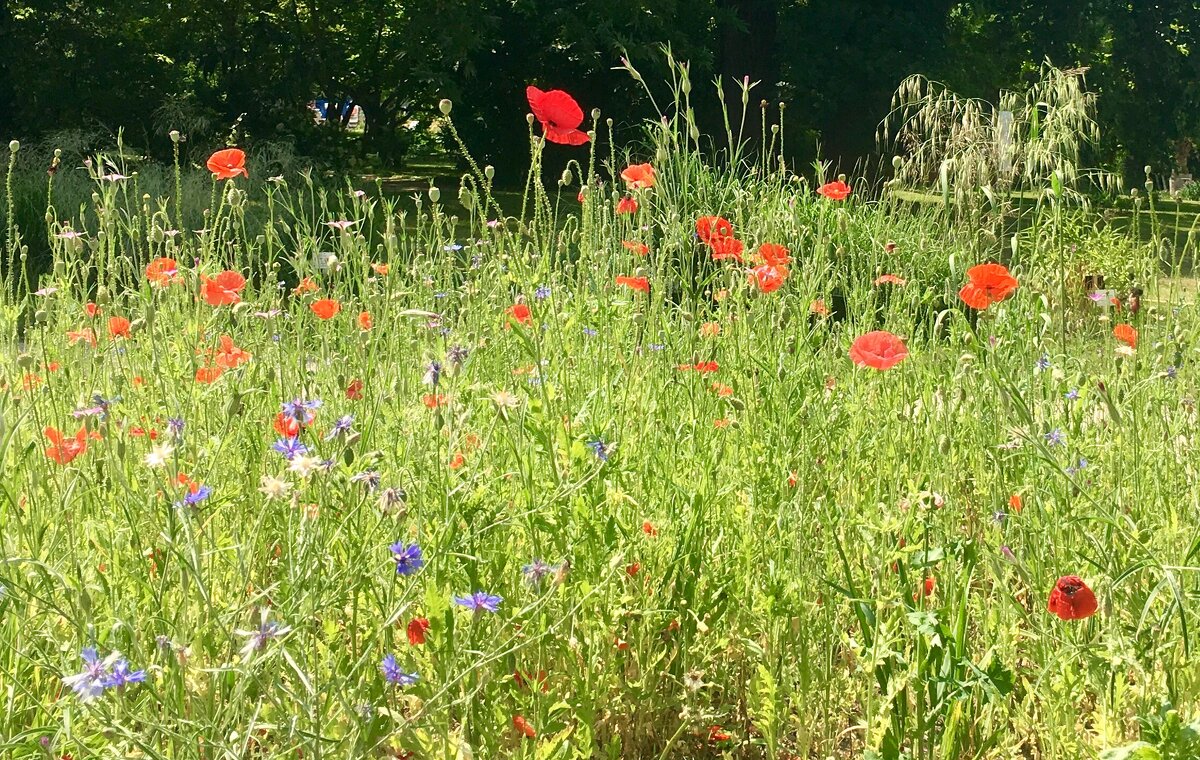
column 639, row 176
column 228, row 163
column 649, row 529
column 365, row 322
column 641, row 249
column 118, row 327
column 835, row 191
column 632, row 569
column 526, row 680
column 520, row 312
column 205, row 375
column 634, row 283
column 722, row 390
column 889, row 279
column 989, row 284
column 162, row 271
column 879, row 350
column 229, row 356
column 62, row 449
column 819, row 308
column 326, row 308
column 457, row 460
column 86, row 335
column 768, row 278
column 706, row 367
column 286, row 425
column 1014, row 502
column 559, row 114
column 306, row 285
column 627, row 205
column 91, row 309
column 709, row 227
column 1071, row 599
column 224, row 289
column 380, row 269
column 726, row 248
column 1127, row 334
column 354, row 390
column 718, row 734
column 775, row 255
column 433, row 400
column 523, row 727
column 417, row 628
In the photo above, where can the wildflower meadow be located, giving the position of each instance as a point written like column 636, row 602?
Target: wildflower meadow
column 686, row 452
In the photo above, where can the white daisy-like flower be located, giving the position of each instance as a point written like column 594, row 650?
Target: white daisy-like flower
column 274, row 488
column 159, row 455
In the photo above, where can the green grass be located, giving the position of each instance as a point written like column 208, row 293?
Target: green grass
column 739, row 555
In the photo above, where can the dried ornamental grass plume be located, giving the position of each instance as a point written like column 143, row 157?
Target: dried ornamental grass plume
column 228, row 163
column 988, row 284
column 559, row 114
column 879, row 350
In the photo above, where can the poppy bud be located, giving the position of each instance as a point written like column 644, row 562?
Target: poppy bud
column 24, row 253
column 1148, row 169
column 774, row 129
column 897, row 162
column 609, row 122
column 156, row 235
column 595, row 114
column 102, row 296
column 14, row 146
column 435, row 194
column 529, row 119
column 1133, row 192
column 60, row 269
column 137, row 324
column 174, row 135
column 41, row 316
column 1149, row 186
column 686, row 86
column 445, row 105
column 567, row 176
column 489, row 171
column 25, row 361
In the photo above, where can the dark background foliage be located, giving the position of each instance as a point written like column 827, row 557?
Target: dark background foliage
column 197, row 65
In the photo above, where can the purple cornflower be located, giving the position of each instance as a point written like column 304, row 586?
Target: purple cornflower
column 121, row 675
column 394, row 674
column 194, row 497
column 542, row 293
column 267, row 631
column 999, row 517
column 1083, row 463
column 1055, row 437
column 1171, row 372
column 408, row 558
column 89, row 683
column 536, row 570
column 590, row 332
column 369, row 477
column 433, row 373
column 340, row 427
column 1072, row 394
column 479, row 601
column 457, row 355
column 289, row 447
column 302, row 411
column 175, row 425
column 1043, row 363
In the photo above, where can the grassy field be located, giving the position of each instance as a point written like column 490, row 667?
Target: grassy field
column 319, row 476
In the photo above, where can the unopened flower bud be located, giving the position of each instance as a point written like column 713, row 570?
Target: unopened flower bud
column 595, row 114
column 41, row 316
column 435, row 194
column 529, row 119
column 445, row 105
column 25, row 361
column 897, row 162
column 567, row 176
column 1148, row 169
column 14, row 146
column 102, row 296
column 174, row 135
column 489, row 171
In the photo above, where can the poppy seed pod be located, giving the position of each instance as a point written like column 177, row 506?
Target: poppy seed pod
column 102, row 296
column 595, row 114
column 609, row 122
column 529, row 119
column 1148, row 169
column 174, row 135
column 897, row 162
column 14, row 146
column 435, row 194
column 41, row 316
column 489, row 171
column 445, row 105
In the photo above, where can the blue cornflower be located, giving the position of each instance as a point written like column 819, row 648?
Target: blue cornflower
column 121, row 676
column 1072, row 394
column 267, row 631
column 542, row 293
column 439, row 295
column 408, row 558
column 536, row 570
column 1171, row 372
column 600, row 449
column 302, row 411
column 1083, row 463
column 341, row 427
column 192, row 498
column 656, row 346
column 1043, row 363
column 479, row 601
column 1055, row 437
column 452, row 248
column 289, row 447
column 394, row 674
column 457, row 355
column 433, row 374
column 999, row 517
column 89, row 683
column 590, row 332
column 175, row 425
